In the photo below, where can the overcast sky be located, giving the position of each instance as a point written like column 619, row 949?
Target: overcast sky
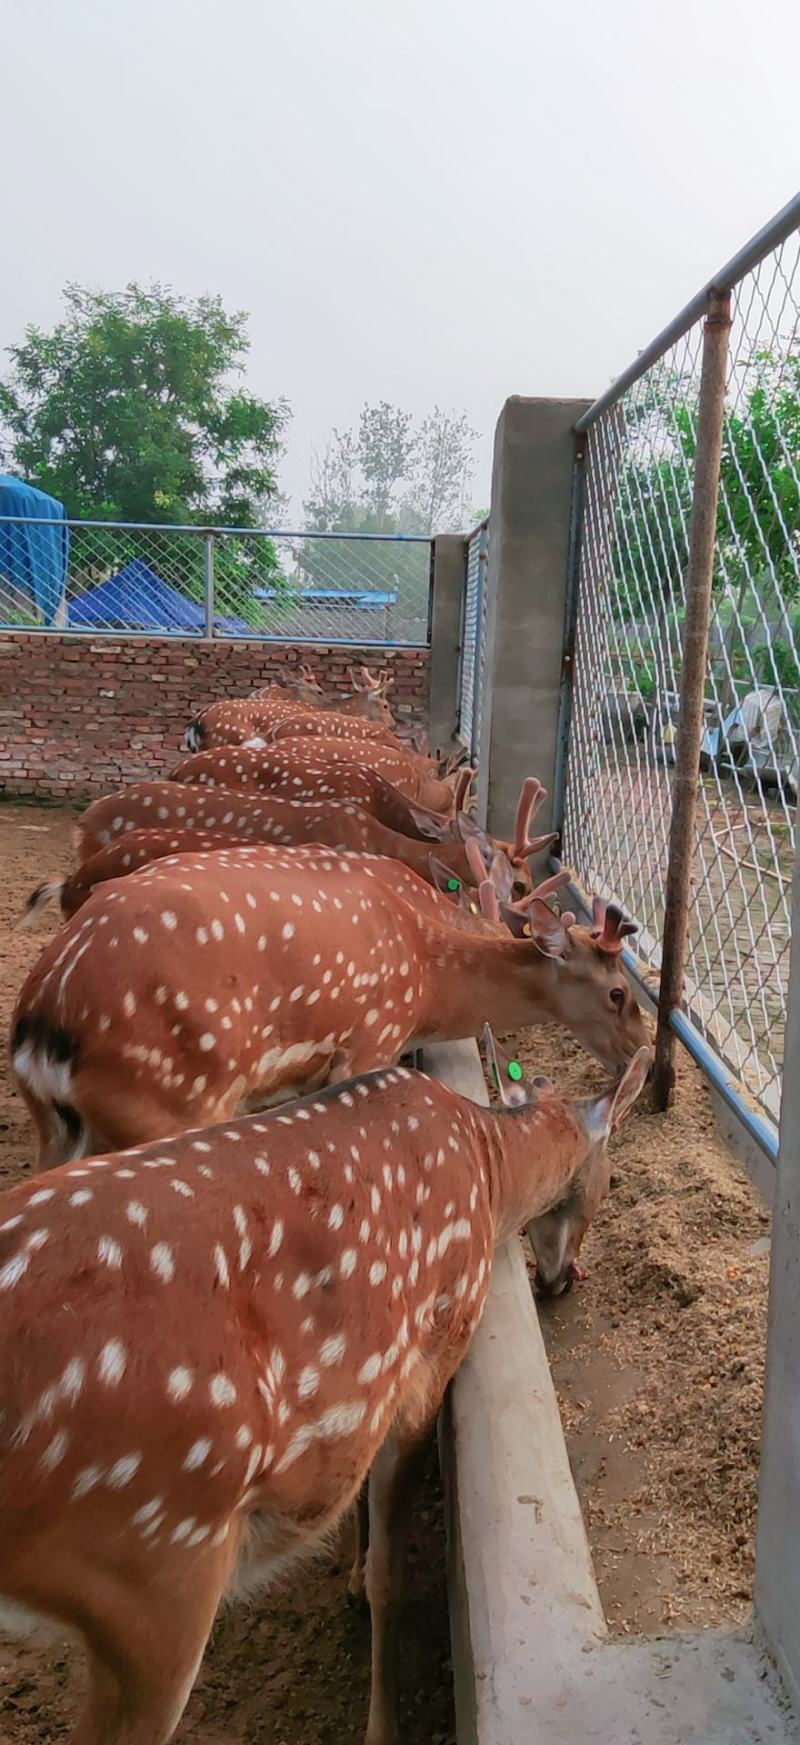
column 416, row 200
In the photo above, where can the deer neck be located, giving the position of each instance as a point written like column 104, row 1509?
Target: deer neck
column 531, row 1156
column 475, row 979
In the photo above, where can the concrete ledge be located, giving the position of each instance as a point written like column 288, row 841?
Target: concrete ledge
column 532, row 1660
column 522, row 1590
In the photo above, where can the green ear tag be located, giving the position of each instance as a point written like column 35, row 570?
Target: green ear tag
column 514, row 1070
column 453, row 885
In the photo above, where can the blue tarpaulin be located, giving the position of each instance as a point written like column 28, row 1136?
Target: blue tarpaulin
column 136, row 598
column 33, row 553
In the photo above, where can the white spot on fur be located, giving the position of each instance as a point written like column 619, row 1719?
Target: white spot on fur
column 113, row 1362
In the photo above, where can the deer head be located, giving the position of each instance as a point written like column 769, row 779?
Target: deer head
column 557, row 1233
column 370, row 692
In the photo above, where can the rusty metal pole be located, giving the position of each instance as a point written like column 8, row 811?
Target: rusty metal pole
column 710, row 413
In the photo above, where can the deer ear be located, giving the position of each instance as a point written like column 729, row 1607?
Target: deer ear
column 444, row 878
column 449, row 762
column 461, row 789
column 630, row 1086
column 506, row 1072
column 516, row 920
column 602, row 1115
column 538, row 923
column 464, row 827
column 501, row 874
column 430, row 824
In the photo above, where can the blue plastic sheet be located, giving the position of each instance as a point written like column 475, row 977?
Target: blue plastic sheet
column 34, row 554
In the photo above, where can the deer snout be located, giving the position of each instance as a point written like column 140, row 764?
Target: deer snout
column 558, row 1286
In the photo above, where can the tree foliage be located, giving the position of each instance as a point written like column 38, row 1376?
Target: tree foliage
column 649, row 467
column 126, row 410
column 758, row 515
column 389, row 475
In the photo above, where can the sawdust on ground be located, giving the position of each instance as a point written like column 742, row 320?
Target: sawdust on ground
column 658, row 1358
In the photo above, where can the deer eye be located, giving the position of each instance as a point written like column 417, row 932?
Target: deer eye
column 617, row 997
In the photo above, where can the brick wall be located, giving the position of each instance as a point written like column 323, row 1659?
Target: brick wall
column 79, row 717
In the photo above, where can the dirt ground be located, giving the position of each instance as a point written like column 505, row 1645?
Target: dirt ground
column 294, row 1671
column 658, row 1359
column 658, row 1362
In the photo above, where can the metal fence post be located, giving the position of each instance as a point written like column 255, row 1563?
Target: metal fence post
column 777, row 1583
column 479, row 653
column 446, row 616
column 699, row 574
column 570, row 633
column 208, row 582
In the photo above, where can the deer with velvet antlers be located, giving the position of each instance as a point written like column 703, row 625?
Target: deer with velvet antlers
column 163, row 821
column 311, row 766
column 459, row 864
column 209, row 982
column 234, row 721
column 225, row 1333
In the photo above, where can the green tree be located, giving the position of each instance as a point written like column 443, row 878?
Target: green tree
column 438, row 497
column 127, row 411
column 386, row 476
column 385, row 448
column 648, row 464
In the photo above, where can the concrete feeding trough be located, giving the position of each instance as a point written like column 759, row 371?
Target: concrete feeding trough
column 533, row 1660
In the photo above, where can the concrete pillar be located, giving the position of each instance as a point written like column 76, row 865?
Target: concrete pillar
column 528, row 538
column 777, row 1553
column 449, row 558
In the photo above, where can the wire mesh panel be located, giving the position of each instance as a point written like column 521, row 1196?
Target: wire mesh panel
column 635, row 541
column 473, row 624
column 186, row 581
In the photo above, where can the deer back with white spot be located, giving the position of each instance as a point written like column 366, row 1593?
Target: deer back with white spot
column 199, row 982
column 319, row 723
column 289, row 763
column 207, row 807
column 365, row 712
column 279, row 823
column 235, row 1355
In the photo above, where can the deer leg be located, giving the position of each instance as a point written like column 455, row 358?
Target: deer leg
column 144, row 1651
column 355, row 1585
column 392, row 1482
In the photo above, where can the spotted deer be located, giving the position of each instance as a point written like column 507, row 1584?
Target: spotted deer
column 234, row 721
column 142, row 847
column 208, row 982
column 164, row 808
column 340, row 828
column 212, row 807
column 226, row 1333
column 257, row 724
column 294, row 763
column 454, row 872
column 309, row 724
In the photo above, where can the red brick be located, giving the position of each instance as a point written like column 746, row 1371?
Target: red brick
column 78, row 718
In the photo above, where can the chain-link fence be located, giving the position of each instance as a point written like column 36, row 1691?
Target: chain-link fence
column 224, row 582
column 637, row 497
column 473, row 638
